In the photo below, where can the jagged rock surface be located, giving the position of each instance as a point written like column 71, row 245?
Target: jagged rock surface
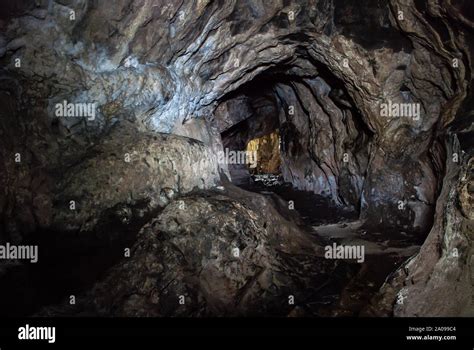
column 161, row 65
column 439, row 280
column 129, row 167
column 188, row 251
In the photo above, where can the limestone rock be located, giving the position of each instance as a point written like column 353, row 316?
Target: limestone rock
column 130, row 167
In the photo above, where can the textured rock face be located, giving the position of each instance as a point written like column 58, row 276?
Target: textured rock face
column 222, row 73
column 162, row 64
column 328, row 155
column 212, row 256
column 438, row 281
column 131, row 167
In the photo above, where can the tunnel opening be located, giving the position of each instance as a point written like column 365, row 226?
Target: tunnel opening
column 323, row 142
column 266, row 150
column 266, row 164
column 312, row 150
column 300, row 122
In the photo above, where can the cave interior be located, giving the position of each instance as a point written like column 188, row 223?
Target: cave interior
column 300, row 158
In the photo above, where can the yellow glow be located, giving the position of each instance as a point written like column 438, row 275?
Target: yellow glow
column 267, row 149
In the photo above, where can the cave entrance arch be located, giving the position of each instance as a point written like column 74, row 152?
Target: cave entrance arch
column 323, row 142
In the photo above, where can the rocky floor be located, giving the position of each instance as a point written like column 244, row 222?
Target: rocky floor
column 347, row 295
column 219, row 252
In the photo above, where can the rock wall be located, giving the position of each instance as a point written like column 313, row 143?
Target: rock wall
column 219, row 255
column 324, row 149
column 439, row 280
column 182, row 67
column 129, row 167
column 160, row 65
